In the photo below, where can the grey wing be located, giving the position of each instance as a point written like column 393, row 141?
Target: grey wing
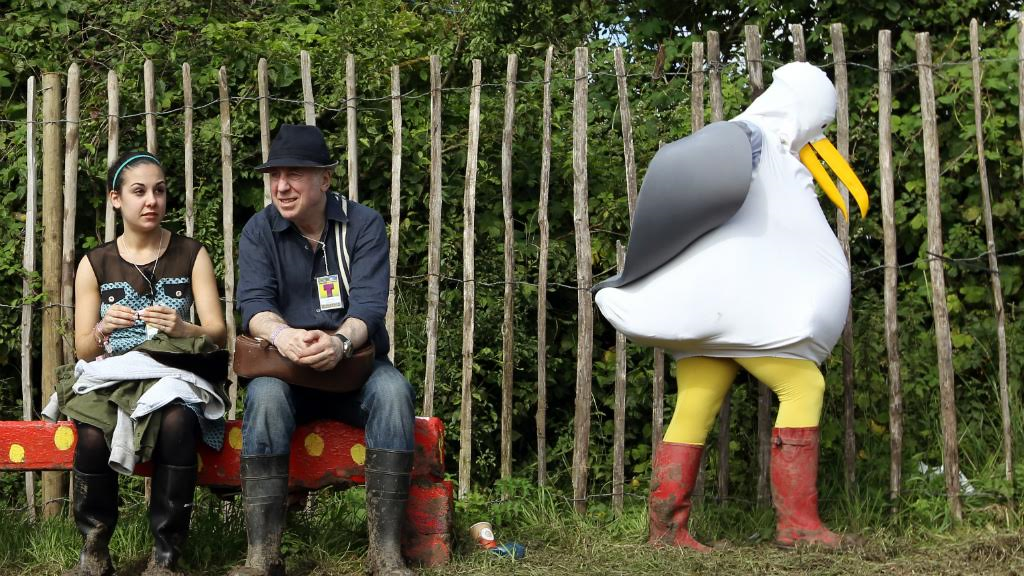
column 692, row 186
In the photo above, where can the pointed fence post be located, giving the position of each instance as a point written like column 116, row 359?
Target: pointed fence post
column 308, row 105
column 943, row 343
column 508, row 361
column 764, row 397
column 542, row 274
column 993, row 261
column 113, row 133
column 469, row 286
column 228, row 219
column 396, row 201
column 843, row 232
column 28, row 262
column 434, row 238
column 67, row 284
column 53, row 160
column 888, row 193
column 585, row 308
column 725, row 413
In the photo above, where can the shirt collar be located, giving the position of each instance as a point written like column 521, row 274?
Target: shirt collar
column 332, row 210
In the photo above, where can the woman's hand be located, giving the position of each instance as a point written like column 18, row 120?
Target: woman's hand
column 165, row 319
column 117, row 316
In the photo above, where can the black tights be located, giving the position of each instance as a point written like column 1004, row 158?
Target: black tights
column 175, row 445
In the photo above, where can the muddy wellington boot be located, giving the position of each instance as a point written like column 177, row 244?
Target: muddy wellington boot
column 95, row 511
column 387, row 491
column 672, row 482
column 794, row 473
column 265, row 494
column 170, row 511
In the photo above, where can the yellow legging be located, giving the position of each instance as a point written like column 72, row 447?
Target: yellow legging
column 704, row 382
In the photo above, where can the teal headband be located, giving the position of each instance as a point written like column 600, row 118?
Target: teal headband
column 113, row 182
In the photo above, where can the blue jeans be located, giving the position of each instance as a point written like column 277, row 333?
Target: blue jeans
column 383, row 407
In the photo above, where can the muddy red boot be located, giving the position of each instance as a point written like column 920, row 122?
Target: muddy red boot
column 795, row 491
column 672, row 482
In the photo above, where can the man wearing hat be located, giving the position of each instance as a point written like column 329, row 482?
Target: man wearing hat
column 313, row 280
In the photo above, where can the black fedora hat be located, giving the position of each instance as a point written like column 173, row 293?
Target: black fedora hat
column 298, row 145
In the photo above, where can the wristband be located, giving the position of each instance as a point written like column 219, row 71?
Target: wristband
column 277, row 332
column 102, row 339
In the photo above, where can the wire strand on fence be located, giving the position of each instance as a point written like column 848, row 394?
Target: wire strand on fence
column 415, row 279
column 342, row 105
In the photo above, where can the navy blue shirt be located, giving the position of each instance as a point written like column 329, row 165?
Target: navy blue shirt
column 277, row 270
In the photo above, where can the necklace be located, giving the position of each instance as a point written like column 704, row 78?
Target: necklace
column 159, row 249
column 320, row 243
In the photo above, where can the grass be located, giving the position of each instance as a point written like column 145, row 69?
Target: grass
column 329, row 538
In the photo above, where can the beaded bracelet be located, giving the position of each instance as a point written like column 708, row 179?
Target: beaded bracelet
column 102, row 339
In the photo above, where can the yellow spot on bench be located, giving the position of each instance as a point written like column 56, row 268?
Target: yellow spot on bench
column 358, row 454
column 17, row 453
column 63, row 438
column 314, row 444
column 235, row 438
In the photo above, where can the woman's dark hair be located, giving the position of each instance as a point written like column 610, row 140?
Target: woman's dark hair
column 126, row 161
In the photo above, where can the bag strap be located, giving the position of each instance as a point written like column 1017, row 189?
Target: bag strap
column 340, row 243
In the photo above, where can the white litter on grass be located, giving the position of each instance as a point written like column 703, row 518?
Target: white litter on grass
column 926, row 470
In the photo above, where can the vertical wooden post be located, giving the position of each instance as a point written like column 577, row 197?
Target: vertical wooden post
column 626, row 117
column 696, row 123
column 28, row 262
column 113, row 132
column 943, row 344
column 725, row 413
column 697, row 90
column 1020, row 77
column 657, row 401
column 396, row 201
column 352, row 150
column 657, row 394
column 585, row 320
column 619, row 435
column 799, row 48
column 227, row 187
column 888, row 192
column 542, row 275
column 307, row 88
column 764, row 397
column 469, row 286
column 434, row 240
column 843, row 232
column 508, row 360
column 67, row 284
column 715, row 77
column 149, row 83
column 53, row 483
column 263, row 85
column 993, row 261
column 190, row 162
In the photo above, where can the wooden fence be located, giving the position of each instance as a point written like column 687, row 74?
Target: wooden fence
column 58, row 242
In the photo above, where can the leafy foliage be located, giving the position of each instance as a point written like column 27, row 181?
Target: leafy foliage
column 41, row 35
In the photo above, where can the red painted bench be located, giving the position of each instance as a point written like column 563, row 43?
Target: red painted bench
column 323, row 454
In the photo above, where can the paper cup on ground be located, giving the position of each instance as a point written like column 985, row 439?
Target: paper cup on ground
column 482, row 533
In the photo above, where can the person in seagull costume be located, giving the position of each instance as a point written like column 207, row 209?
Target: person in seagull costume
column 731, row 264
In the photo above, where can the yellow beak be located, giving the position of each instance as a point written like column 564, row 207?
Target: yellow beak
column 831, row 157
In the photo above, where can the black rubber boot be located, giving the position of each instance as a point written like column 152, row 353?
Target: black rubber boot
column 170, row 511
column 387, row 491
column 95, row 513
column 265, row 493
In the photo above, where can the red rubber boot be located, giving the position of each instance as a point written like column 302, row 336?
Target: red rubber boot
column 674, row 476
column 794, row 489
